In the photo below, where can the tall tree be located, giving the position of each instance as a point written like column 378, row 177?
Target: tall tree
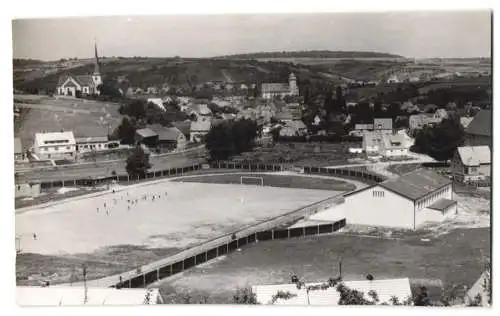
column 440, row 141
column 231, row 138
column 138, row 163
column 125, row 132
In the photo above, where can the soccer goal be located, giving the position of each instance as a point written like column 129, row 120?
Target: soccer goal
column 252, row 180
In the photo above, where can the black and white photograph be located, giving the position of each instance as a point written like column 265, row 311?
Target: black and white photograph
column 302, row 159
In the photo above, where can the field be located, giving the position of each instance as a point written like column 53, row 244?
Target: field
column 454, row 258
column 83, row 230
column 83, row 117
column 290, row 181
column 453, row 251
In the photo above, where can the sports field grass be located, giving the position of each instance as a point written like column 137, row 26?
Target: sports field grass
column 455, row 258
column 190, row 214
column 288, row 181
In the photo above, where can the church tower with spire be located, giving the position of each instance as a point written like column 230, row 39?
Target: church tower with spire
column 96, row 75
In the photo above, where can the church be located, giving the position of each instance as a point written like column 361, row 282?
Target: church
column 74, row 86
column 272, row 90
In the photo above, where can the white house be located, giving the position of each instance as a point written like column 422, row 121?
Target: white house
column 406, row 202
column 71, row 85
column 96, row 144
column 158, row 102
column 471, row 163
column 393, row 145
column 199, row 129
column 54, row 146
column 75, row 296
column 385, row 289
column 372, row 142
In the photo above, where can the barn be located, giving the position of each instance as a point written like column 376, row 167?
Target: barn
column 406, row 202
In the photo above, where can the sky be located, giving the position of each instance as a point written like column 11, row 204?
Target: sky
column 424, row 34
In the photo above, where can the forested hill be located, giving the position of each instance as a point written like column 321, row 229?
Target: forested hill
column 313, row 54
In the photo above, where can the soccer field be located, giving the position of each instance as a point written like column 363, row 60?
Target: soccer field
column 191, row 213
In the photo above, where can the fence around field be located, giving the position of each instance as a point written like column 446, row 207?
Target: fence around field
column 223, row 245
column 250, row 165
column 247, row 165
column 122, row 178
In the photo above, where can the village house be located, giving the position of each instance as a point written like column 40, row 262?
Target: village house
column 407, row 202
column 152, row 90
column 418, row 121
column 169, row 137
column 479, row 130
column 184, row 127
column 465, row 121
column 54, row 146
column 272, row 90
column 293, row 128
column 147, row 137
column 158, row 102
column 19, row 154
column 199, row 129
column 471, row 164
column 95, row 144
column 382, row 124
column 75, row 86
column 379, row 143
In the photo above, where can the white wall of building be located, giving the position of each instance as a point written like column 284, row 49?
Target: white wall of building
column 398, row 152
column 377, row 206
column 427, row 215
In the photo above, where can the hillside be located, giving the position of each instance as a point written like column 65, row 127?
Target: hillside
column 145, row 72
column 312, row 54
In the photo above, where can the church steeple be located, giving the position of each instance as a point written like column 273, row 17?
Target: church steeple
column 96, row 76
column 97, row 70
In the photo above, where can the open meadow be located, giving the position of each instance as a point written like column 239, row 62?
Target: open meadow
column 84, row 117
column 96, row 230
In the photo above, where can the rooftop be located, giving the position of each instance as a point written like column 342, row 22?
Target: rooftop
column 275, row 87
column 442, row 204
column 474, row 155
column 165, row 133
column 73, row 296
column 41, row 138
column 481, row 124
column 416, row 184
column 93, row 139
column 146, row 132
column 201, row 125
column 382, row 123
column 384, row 288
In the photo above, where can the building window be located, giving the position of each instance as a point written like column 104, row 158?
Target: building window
column 68, row 147
column 378, row 193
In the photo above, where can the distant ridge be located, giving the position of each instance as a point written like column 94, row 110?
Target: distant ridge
column 313, row 54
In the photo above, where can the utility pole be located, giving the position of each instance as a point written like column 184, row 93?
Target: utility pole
column 85, row 298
